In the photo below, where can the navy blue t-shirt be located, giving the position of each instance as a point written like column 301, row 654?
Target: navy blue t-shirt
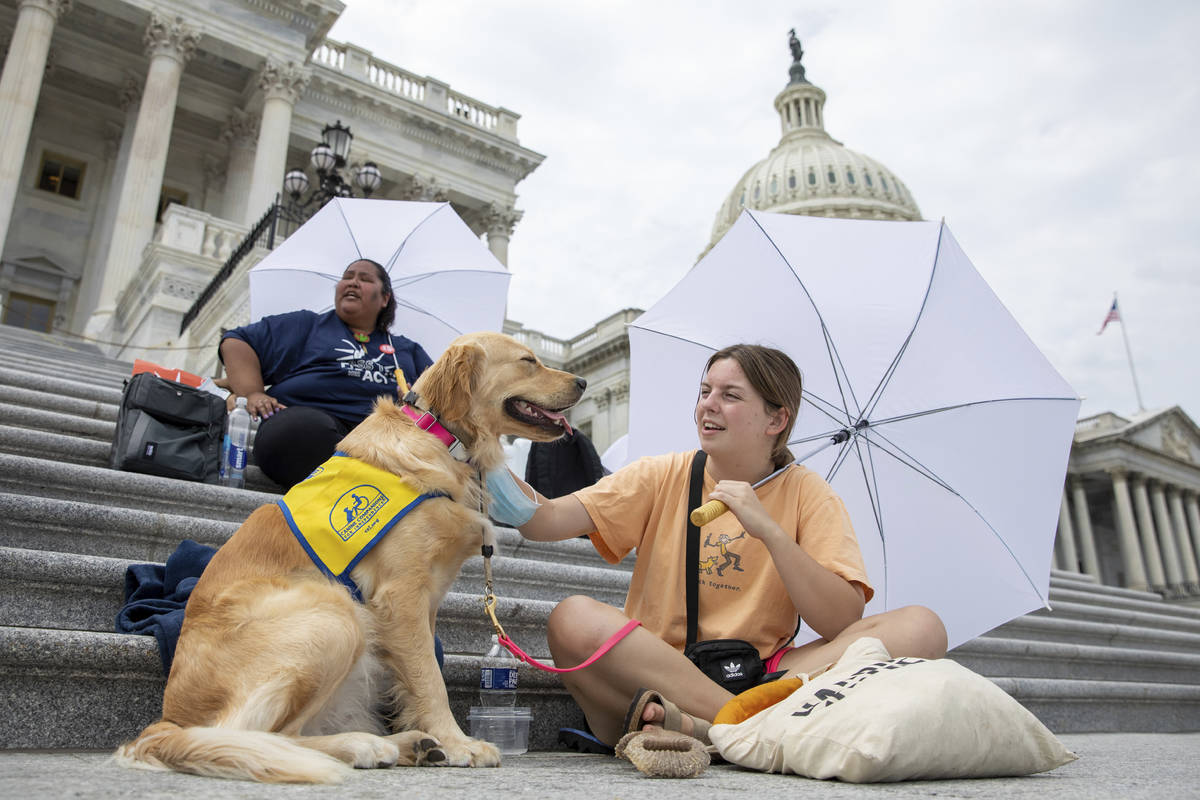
column 313, row 360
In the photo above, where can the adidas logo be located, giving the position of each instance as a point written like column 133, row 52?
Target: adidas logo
column 733, row 669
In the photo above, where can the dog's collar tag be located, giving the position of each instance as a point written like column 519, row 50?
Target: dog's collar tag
column 426, row 421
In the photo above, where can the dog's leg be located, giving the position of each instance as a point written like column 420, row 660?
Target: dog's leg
column 422, row 703
column 368, row 751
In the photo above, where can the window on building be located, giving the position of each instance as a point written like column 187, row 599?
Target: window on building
column 867, row 177
column 812, row 178
column 757, row 192
column 774, row 185
column 25, row 311
column 792, row 181
column 831, row 175
column 167, row 197
column 849, row 176
column 883, row 182
column 61, row 175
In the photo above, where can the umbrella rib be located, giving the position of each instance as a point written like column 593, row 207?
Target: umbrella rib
column 921, row 469
column 429, row 314
column 409, row 280
column 349, row 230
column 391, row 261
column 824, row 406
column 943, row 409
column 835, row 358
column 891, row 370
column 870, row 481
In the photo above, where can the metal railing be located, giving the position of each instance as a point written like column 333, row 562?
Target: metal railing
column 278, row 222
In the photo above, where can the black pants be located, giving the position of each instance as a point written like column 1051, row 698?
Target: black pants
column 294, row 441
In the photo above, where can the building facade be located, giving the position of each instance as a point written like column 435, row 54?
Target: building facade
column 1131, row 504
column 142, row 139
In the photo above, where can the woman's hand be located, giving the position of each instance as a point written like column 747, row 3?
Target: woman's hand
column 743, row 502
column 261, row 405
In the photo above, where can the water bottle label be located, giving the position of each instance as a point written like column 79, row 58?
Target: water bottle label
column 498, row 678
column 237, row 457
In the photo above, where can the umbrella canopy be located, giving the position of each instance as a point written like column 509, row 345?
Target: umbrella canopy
column 445, row 280
column 958, row 427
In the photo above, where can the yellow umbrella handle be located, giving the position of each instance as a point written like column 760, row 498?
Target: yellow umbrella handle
column 708, row 512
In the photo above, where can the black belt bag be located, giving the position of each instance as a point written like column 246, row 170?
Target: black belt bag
column 732, row 663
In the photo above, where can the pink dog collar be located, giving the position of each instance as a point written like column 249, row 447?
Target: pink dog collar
column 426, row 421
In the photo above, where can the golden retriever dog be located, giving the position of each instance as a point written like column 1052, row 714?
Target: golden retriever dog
column 279, row 673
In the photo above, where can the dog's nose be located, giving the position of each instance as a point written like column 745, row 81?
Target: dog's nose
column 581, row 383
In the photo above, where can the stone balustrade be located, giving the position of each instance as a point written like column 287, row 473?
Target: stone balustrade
column 362, row 64
column 199, row 233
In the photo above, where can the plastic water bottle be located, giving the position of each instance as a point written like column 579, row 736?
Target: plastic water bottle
column 238, row 434
column 498, row 677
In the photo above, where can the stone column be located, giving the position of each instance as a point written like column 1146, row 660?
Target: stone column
column 281, row 85
column 1166, row 537
column 240, row 132
column 170, row 44
column 102, row 229
column 1068, row 557
column 1083, row 525
column 1147, row 535
column 500, row 222
column 1187, row 555
column 1193, row 515
column 1131, row 554
column 20, row 85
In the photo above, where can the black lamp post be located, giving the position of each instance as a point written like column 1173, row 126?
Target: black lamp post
column 328, row 158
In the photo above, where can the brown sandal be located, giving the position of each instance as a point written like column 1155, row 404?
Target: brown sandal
column 672, row 718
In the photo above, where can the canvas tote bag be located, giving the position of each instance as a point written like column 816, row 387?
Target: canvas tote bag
column 874, row 718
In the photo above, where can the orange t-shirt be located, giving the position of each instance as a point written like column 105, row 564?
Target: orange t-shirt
column 741, row 595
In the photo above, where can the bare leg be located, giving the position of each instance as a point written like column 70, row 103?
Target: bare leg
column 911, row 631
column 579, row 625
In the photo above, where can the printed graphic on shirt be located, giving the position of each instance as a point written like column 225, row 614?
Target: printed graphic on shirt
column 354, row 361
column 727, row 558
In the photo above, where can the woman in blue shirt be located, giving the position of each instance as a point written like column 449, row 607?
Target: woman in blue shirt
column 324, row 370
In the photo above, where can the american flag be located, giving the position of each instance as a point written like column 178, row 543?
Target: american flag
column 1113, row 316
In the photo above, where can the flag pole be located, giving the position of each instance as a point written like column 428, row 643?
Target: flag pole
column 1129, row 355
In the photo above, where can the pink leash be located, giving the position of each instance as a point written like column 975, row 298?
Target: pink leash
column 511, row 646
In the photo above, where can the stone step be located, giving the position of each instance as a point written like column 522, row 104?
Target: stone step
column 1096, row 612
column 1070, row 594
column 57, row 385
column 74, row 449
column 37, row 419
column 81, row 371
column 15, row 338
column 1082, row 706
column 1074, row 631
column 81, row 592
column 1021, row 658
column 84, row 690
column 32, row 398
column 1084, row 582
column 42, row 479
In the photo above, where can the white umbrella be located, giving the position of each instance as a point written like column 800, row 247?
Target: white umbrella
column 959, row 428
column 445, row 280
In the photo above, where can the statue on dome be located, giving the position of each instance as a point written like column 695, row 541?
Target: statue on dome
column 794, row 44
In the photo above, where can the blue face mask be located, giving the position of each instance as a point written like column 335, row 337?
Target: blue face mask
column 509, row 505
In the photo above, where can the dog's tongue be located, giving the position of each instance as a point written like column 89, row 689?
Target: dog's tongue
column 560, row 418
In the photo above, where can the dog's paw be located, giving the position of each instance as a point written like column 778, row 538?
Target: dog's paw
column 464, row 751
column 418, row 749
column 368, row 751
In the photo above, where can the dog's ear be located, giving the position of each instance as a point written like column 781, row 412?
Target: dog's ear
column 450, row 383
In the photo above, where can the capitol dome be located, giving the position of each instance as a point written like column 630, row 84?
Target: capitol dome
column 810, row 172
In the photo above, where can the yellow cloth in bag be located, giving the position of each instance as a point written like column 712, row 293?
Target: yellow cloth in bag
column 342, row 510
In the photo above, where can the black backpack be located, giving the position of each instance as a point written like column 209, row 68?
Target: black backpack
column 169, row 429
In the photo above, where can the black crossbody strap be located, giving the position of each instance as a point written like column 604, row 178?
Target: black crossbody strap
column 692, row 550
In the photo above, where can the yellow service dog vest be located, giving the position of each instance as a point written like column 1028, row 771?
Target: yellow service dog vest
column 342, row 510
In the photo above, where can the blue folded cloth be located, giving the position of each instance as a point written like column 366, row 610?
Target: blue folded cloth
column 157, row 594
column 156, row 597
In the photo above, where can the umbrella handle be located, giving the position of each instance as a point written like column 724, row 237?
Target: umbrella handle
column 707, row 513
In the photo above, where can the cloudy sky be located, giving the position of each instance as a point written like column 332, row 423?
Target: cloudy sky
column 1058, row 139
